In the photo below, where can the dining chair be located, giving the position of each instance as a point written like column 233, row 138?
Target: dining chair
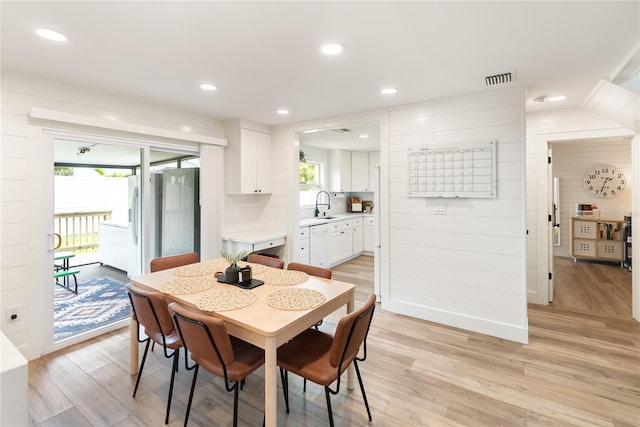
column 312, row 270
column 164, row 263
column 150, row 310
column 266, row 260
column 322, row 358
column 206, row 338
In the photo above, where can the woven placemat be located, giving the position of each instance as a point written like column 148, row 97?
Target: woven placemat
column 188, row 285
column 283, row 277
column 255, row 268
column 200, row 269
column 295, row 299
column 226, row 299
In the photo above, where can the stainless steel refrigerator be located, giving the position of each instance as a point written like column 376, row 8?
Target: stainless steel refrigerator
column 174, row 215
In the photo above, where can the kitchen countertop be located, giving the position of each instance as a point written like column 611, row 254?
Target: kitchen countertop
column 309, row 222
column 253, row 236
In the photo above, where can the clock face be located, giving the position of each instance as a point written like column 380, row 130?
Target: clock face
column 604, row 181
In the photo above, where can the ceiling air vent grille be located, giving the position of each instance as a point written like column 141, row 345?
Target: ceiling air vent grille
column 499, row 79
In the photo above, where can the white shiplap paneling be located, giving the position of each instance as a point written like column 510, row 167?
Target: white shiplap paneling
column 465, row 268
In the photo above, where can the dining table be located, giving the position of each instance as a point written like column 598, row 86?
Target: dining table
column 288, row 303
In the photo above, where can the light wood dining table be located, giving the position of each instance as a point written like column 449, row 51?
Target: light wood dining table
column 258, row 323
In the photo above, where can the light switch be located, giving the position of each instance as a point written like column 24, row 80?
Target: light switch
column 440, row 207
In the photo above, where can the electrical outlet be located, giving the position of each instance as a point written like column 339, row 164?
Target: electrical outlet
column 13, row 313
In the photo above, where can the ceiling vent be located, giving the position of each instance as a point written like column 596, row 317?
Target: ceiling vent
column 500, row 79
column 341, row 130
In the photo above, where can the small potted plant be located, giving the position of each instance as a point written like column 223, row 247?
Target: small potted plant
column 231, row 272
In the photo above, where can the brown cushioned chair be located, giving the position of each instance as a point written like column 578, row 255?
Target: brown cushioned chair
column 266, row 260
column 150, row 310
column 322, row 358
column 312, row 270
column 207, row 340
column 167, row 262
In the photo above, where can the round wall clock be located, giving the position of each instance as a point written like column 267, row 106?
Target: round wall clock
column 604, row 181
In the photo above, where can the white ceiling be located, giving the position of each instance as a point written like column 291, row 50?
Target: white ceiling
column 265, row 55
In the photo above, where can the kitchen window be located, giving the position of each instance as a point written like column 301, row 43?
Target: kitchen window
column 310, row 182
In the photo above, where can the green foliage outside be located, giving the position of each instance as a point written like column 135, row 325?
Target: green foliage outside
column 62, row 171
column 308, row 173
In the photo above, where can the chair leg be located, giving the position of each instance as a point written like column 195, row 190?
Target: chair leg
column 326, row 392
column 364, row 395
column 304, row 385
column 236, row 391
column 174, row 369
column 284, row 376
column 193, row 387
column 144, row 357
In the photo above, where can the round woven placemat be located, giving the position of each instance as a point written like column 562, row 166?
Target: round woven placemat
column 200, row 269
column 295, row 299
column 284, row 277
column 226, row 299
column 189, row 285
column 255, row 268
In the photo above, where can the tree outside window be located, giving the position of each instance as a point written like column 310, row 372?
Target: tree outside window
column 309, row 182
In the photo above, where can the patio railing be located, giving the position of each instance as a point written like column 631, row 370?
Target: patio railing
column 79, row 230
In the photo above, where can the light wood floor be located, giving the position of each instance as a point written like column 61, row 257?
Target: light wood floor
column 579, row 369
column 592, row 286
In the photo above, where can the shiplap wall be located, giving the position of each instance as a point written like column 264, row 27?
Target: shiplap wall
column 465, row 268
column 25, row 264
column 570, row 162
column 542, row 126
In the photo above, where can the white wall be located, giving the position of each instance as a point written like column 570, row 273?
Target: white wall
column 466, row 268
column 26, row 187
column 570, row 162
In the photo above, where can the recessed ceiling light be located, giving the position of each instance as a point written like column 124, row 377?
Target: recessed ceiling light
column 51, row 35
column 364, row 136
column 557, row 98
column 283, row 112
column 208, row 86
column 388, row 91
column 311, row 131
column 332, row 48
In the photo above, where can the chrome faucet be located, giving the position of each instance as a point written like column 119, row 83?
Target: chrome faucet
column 328, row 204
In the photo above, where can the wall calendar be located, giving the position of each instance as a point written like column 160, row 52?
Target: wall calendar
column 463, row 169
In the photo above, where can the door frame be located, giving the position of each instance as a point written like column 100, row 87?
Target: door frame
column 544, row 243
column 48, row 150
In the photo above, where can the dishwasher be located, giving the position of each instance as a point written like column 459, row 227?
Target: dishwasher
column 320, row 245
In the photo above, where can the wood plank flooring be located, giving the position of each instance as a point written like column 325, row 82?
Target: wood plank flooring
column 592, row 286
column 579, row 369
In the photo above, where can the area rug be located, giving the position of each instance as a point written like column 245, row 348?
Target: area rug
column 99, row 302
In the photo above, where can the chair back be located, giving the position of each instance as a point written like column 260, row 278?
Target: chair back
column 164, row 263
column 310, row 269
column 205, row 337
column 150, row 310
column 266, row 260
column 350, row 333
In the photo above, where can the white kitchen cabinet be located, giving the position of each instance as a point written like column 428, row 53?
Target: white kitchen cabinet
column 341, row 241
column 339, row 170
column 374, row 164
column 360, row 171
column 301, row 253
column 368, row 233
column 247, row 160
column 357, row 237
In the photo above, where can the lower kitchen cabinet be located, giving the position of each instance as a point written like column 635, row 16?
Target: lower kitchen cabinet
column 358, row 237
column 341, row 243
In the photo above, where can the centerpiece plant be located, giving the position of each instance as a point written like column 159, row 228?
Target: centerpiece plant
column 231, row 272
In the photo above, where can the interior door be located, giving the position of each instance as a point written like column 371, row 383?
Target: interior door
column 551, row 208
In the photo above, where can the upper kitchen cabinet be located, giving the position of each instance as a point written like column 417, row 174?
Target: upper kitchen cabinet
column 374, row 171
column 247, row 158
column 339, row 170
column 360, row 171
